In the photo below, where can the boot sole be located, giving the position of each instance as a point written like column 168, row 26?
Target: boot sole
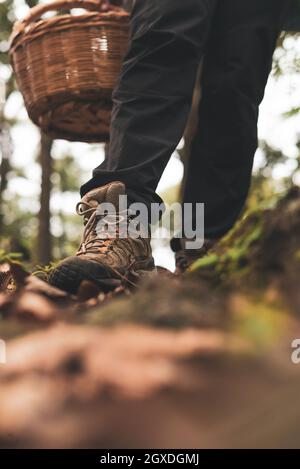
column 69, row 275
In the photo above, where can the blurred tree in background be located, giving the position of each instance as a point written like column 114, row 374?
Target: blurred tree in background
column 20, row 229
column 44, row 252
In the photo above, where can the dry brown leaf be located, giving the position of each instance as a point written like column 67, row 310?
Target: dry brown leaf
column 34, row 307
column 5, row 279
column 87, row 291
column 36, row 285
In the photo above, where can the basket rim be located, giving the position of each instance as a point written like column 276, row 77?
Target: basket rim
column 65, row 22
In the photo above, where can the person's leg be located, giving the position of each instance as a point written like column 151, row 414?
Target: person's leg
column 235, row 72
column 153, row 96
column 151, row 106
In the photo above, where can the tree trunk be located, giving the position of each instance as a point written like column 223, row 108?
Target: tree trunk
column 44, row 249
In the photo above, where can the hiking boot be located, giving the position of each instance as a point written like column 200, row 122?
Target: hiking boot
column 104, row 258
column 184, row 258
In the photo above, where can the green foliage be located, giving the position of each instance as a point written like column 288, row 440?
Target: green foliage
column 42, row 272
column 231, row 257
column 207, row 261
column 9, row 256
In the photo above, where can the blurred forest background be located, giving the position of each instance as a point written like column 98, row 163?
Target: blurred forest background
column 37, row 192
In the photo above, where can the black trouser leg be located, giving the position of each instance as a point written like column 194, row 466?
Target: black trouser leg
column 235, row 71
column 153, row 97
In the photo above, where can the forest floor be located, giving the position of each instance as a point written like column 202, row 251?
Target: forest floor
column 202, row 361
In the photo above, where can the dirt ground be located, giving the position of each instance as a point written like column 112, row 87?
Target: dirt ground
column 201, row 361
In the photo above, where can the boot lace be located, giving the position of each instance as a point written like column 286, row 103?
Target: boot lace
column 92, row 241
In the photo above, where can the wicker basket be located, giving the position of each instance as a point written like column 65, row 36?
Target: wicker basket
column 66, row 66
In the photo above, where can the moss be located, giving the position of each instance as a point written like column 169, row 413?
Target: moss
column 207, row 261
column 260, row 321
column 232, row 255
column 163, row 303
column 297, row 255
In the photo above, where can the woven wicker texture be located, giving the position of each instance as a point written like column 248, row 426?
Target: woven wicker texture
column 66, row 67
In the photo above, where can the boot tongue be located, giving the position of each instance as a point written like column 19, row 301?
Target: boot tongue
column 105, row 194
column 108, row 194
